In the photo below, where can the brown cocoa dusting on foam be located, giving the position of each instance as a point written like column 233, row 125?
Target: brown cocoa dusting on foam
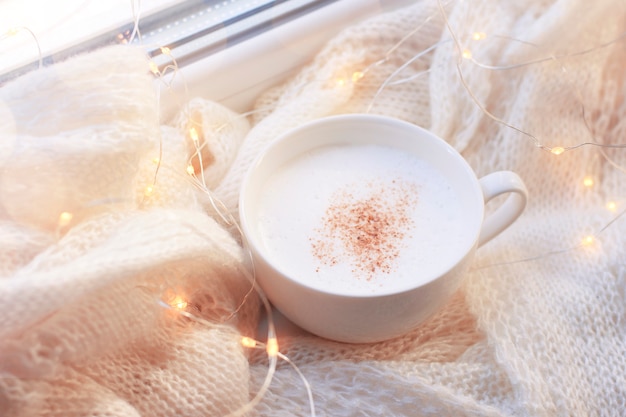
column 367, row 232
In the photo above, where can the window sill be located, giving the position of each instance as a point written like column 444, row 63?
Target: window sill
column 236, row 75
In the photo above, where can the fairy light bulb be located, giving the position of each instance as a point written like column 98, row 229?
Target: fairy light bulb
column 65, row 218
column 467, row 54
column 588, row 181
column 557, row 150
column 193, row 134
column 357, row 75
column 179, row 303
column 248, row 342
column 272, row 347
column 156, row 160
column 12, row 31
column 154, row 68
column 479, row 36
column 340, row 82
column 149, row 190
column 190, row 169
column 165, row 50
column 588, row 240
column 611, row 206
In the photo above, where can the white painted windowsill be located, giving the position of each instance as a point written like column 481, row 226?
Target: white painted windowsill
column 228, row 51
column 236, row 75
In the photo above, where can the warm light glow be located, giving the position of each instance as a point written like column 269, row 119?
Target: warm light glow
column 611, row 206
column 588, row 240
column 479, row 36
column 193, row 134
column 165, row 50
column 272, row 347
column 65, row 218
column 179, row 303
column 156, row 160
column 357, row 75
column 467, row 54
column 12, row 31
column 149, row 190
column 340, row 82
column 557, row 150
column 190, row 170
column 154, row 68
column 248, row 342
column 588, row 182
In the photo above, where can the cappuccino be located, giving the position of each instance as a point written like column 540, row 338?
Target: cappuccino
column 361, row 219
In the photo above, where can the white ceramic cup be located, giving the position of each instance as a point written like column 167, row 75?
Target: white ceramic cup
column 379, row 314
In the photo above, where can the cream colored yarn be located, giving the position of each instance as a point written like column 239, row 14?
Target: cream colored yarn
column 538, row 329
column 83, row 332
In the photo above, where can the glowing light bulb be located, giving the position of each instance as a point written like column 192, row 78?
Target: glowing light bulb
column 588, row 240
column 193, row 134
column 557, row 150
column 65, row 218
column 588, row 181
column 179, row 303
column 190, row 169
column 611, row 206
column 340, row 82
column 479, row 36
column 156, row 160
column 12, row 31
column 149, row 190
column 248, row 342
column 272, row 347
column 467, row 54
column 357, row 75
column 154, row 68
column 165, row 50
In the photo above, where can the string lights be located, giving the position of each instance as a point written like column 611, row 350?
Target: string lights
column 588, row 181
column 14, row 31
column 180, row 304
column 65, row 219
column 611, row 206
column 466, row 54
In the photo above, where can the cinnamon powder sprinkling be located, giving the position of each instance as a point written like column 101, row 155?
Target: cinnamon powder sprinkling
column 368, row 231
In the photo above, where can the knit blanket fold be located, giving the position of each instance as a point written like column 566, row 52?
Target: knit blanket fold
column 125, row 290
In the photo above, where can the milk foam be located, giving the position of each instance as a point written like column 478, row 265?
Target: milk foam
column 316, row 212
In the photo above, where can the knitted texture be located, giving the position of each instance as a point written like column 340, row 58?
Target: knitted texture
column 538, row 327
column 93, row 243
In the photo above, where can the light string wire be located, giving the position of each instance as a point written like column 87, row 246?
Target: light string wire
column 219, row 207
column 272, row 342
column 477, row 102
column 465, row 54
column 585, row 242
column 180, row 305
column 271, row 346
column 592, row 49
column 390, row 52
column 387, row 82
column 15, row 30
column 136, row 11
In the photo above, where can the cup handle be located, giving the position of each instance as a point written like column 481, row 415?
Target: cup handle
column 493, row 185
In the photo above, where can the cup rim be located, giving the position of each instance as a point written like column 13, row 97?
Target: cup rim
column 252, row 239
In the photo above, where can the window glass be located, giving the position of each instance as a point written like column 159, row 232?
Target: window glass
column 34, row 32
